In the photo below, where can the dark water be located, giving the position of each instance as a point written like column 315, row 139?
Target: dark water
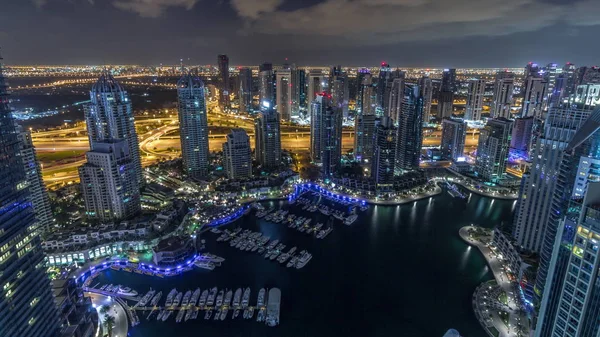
column 397, row 271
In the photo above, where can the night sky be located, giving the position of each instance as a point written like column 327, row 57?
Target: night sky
column 427, row 33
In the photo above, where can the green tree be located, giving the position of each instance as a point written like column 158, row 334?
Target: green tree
column 109, row 323
column 104, row 309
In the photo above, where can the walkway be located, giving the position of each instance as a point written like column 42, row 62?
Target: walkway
column 495, row 264
column 116, row 310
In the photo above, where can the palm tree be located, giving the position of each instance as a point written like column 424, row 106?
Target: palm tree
column 104, row 309
column 109, row 323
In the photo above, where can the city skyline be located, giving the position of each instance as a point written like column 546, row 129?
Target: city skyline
column 406, row 33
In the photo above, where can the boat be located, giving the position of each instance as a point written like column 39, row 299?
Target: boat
column 350, row 220
column 227, row 301
column 324, row 232
column 220, row 298
column 292, row 262
column 145, row 299
column 156, row 298
column 224, row 313
column 180, row 315
column 166, row 315
column 261, row 314
column 218, row 314
column 211, row 297
column 188, row 314
column 160, row 315
column 250, row 311
column 177, row 299
column 170, row 297
column 246, row 298
column 205, row 265
column 195, row 314
column 261, row 298
column 273, row 307
column 237, row 298
column 208, row 314
column 203, row 298
column 303, row 260
column 195, row 297
column 292, row 250
column 186, row 298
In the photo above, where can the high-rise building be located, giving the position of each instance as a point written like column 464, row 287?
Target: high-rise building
column 368, row 97
column 268, row 139
column 492, row 149
column 317, row 106
column 27, row 307
column 283, row 89
column 33, row 172
column 237, row 155
column 108, row 183
column 426, row 85
column 410, row 130
column 503, row 95
column 446, row 94
column 454, row 132
column 534, row 94
column 550, row 73
column 532, row 70
column 557, row 95
column 475, row 99
column 109, row 116
column 364, row 129
column 391, row 84
column 535, row 197
column 193, row 125
column 331, row 139
column 360, row 80
column 569, row 70
column 339, row 89
column 394, row 106
column 245, row 93
column 266, row 86
column 384, row 156
column 522, row 131
column 563, row 237
column 586, row 96
column 317, row 83
column 298, row 91
column 449, row 80
column 385, row 76
column 224, row 85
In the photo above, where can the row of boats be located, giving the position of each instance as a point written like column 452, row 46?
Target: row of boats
column 347, row 219
column 211, row 301
column 118, row 289
column 247, row 240
column 208, row 261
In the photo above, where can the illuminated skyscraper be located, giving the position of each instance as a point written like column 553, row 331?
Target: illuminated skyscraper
column 446, row 95
column 368, row 96
column 339, row 89
column 454, row 132
column 475, row 95
column 534, row 94
column 224, row 85
column 298, row 91
column 410, row 129
column 426, row 86
column 109, row 116
column 284, row 93
column 326, row 134
column 266, row 86
column 492, row 149
column 364, row 129
column 245, row 93
column 267, row 139
column 237, row 155
column 503, row 95
column 27, row 307
column 193, row 125
column 384, row 157
column 385, row 76
column 394, row 106
column 316, row 84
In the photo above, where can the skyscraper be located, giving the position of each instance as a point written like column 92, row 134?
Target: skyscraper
column 569, row 70
column 237, row 155
column 27, row 307
column 534, row 94
column 317, row 107
column 426, row 86
column 331, row 139
column 492, row 149
column 364, row 129
column 109, row 116
column 394, row 106
column 224, row 85
column 446, row 95
column 339, row 89
column 108, row 184
column 410, row 129
column 368, row 96
column 268, row 139
column 33, row 172
column 385, row 76
column 298, row 91
column 193, row 125
column 266, row 86
column 475, row 99
column 550, row 73
column 316, row 85
column 245, row 93
column 384, row 157
column 586, row 96
column 521, row 136
column 454, row 132
column 503, row 95
column 535, row 197
column 283, row 95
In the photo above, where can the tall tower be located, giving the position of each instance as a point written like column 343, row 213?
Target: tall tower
column 339, row 89
column 503, row 95
column 108, row 183
column 37, row 189
column 316, row 85
column 385, row 76
column 237, row 155
column 395, row 99
column 245, row 93
column 109, row 116
column 268, row 139
column 284, row 93
column 410, row 130
column 384, row 157
column 475, row 99
column 27, row 307
column 454, row 132
column 193, row 125
column 331, row 139
column 533, row 97
column 426, row 85
column 224, row 85
column 569, row 70
column 367, row 96
column 266, row 86
column 364, row 129
column 298, row 91
column 492, row 149
column 446, row 95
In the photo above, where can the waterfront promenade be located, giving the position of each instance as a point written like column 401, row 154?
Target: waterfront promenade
column 120, row 328
column 483, row 300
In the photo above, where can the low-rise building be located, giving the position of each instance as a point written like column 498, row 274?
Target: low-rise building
column 173, row 250
column 78, row 317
